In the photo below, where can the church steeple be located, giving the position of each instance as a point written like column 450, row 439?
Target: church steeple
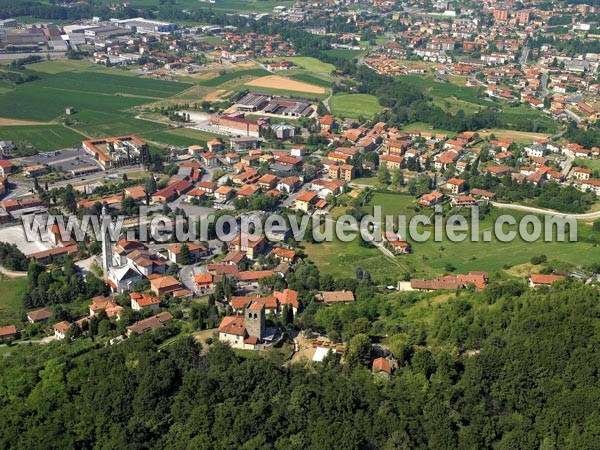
column 106, row 242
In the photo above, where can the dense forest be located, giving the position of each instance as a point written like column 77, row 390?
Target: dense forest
column 505, row 369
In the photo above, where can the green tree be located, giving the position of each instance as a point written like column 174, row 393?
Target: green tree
column 185, row 256
column 383, row 175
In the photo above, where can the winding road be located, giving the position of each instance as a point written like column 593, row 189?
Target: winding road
column 531, row 209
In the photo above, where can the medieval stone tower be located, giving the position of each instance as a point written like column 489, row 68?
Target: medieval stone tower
column 255, row 320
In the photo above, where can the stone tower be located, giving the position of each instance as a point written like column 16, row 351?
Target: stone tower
column 106, row 242
column 255, row 320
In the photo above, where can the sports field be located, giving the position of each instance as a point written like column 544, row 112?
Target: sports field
column 354, row 105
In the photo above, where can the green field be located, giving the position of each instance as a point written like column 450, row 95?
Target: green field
column 345, row 54
column 46, row 99
column 97, row 124
column 425, row 127
column 182, row 137
column 432, row 258
column 221, row 5
column 354, row 105
column 310, row 64
column 104, row 100
column 341, row 259
column 393, row 204
column 41, row 137
column 311, row 79
column 439, row 90
column 254, row 6
column 592, row 164
column 37, row 102
column 105, row 83
column 10, row 301
column 514, row 115
column 229, row 76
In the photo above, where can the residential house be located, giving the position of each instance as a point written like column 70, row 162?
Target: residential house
column 39, row 315
column 106, row 304
column 382, row 368
column 204, row 282
column 391, row 161
column 455, row 185
column 251, row 245
column 150, row 324
column 6, row 168
column 499, row 171
column 284, row 254
column 8, row 332
column 172, row 191
column 431, row 199
column 537, row 280
column 224, row 193
column 143, row 301
column 165, row 285
column 288, row 297
column 60, row 329
column 197, row 251
column 305, row 201
column 581, row 173
column 288, row 184
column 332, row 297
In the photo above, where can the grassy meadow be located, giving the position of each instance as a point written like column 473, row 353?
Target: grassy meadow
column 354, row 105
column 432, row 258
column 10, row 301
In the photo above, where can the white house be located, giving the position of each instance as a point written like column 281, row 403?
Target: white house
column 60, row 329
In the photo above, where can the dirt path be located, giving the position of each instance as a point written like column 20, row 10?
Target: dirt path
column 4, row 122
column 214, row 96
column 12, row 274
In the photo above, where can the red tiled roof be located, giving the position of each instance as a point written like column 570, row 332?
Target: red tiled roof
column 538, row 278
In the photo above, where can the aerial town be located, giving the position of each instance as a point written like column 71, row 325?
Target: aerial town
column 179, row 115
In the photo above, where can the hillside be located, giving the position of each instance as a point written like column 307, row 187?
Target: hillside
column 510, row 369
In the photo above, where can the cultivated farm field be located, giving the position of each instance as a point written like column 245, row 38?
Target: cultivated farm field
column 43, row 137
column 285, row 84
column 105, row 101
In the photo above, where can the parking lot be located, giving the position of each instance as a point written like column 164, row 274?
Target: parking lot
column 16, row 235
column 62, row 161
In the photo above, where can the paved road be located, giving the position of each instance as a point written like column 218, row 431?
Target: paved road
column 544, row 83
column 585, row 216
column 566, row 166
column 20, row 190
column 523, row 59
column 573, row 116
